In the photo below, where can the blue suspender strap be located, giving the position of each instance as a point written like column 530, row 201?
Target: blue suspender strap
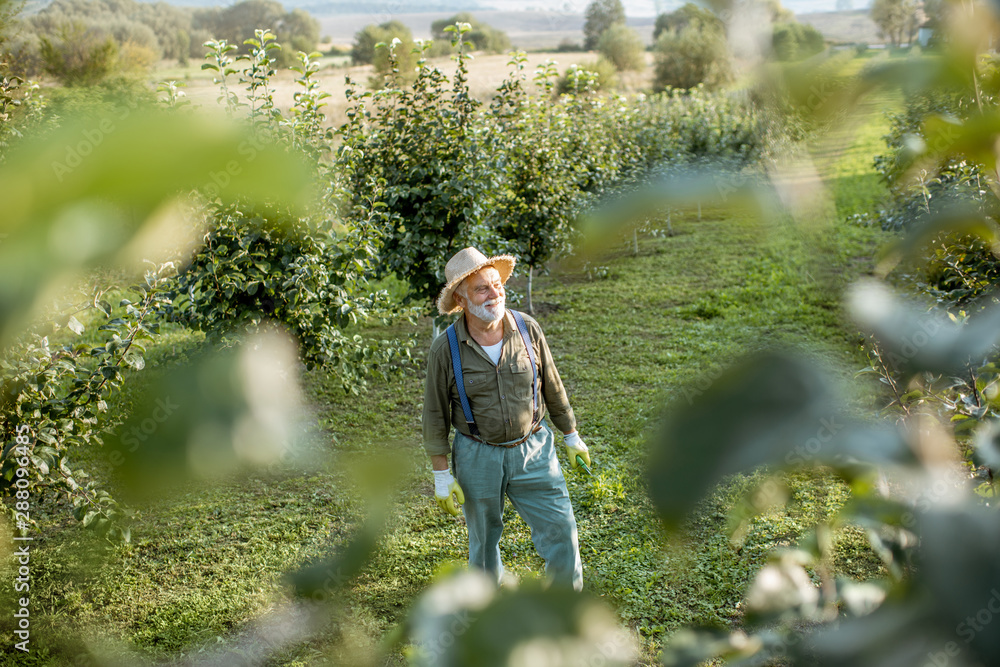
column 523, row 328
column 456, row 365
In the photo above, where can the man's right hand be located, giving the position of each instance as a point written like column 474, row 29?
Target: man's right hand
column 447, row 492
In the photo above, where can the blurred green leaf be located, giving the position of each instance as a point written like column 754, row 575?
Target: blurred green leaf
column 465, row 620
column 959, row 564
column 946, row 219
column 323, row 579
column 684, row 187
column 690, row 647
column 220, row 414
column 773, row 409
column 900, row 633
column 942, row 616
column 917, row 340
column 74, row 197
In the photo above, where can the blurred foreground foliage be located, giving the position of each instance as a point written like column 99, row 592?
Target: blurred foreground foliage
column 921, row 467
column 257, row 233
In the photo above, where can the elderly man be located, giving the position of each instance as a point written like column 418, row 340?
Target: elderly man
column 505, row 381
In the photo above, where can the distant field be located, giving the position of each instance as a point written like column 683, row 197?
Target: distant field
column 486, row 72
column 532, row 31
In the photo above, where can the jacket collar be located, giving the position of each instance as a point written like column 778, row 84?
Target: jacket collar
column 462, row 331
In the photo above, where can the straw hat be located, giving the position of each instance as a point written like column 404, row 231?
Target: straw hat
column 466, row 262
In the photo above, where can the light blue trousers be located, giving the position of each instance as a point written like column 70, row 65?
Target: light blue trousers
column 530, row 476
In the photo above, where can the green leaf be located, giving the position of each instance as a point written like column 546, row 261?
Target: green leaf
column 93, row 205
column 916, row 340
column 773, row 409
column 496, row 623
column 74, row 325
column 135, row 360
column 40, row 464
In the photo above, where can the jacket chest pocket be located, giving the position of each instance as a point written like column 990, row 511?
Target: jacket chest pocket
column 521, row 377
column 480, row 385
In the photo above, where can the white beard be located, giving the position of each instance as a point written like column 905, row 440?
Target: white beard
column 491, row 311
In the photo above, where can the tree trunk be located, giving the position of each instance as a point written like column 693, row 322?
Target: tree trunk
column 670, row 227
column 635, row 242
column 531, row 307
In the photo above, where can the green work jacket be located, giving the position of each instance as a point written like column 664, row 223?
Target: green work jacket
column 500, row 394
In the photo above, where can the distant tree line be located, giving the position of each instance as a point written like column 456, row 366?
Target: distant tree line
column 364, row 51
column 78, row 41
column 690, row 46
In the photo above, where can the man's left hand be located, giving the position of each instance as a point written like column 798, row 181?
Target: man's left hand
column 575, row 447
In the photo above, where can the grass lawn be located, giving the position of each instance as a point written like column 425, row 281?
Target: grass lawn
column 629, row 333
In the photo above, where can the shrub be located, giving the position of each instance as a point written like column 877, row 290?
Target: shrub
column 393, row 36
column 623, row 47
column 961, row 268
column 136, row 59
column 588, row 77
column 363, row 49
column 481, row 36
column 697, row 54
column 79, row 56
column 435, row 168
column 540, row 198
column 567, row 45
column 796, row 41
column 238, row 23
column 254, row 268
column 685, row 15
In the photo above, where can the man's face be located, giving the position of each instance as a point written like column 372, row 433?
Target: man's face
column 483, row 295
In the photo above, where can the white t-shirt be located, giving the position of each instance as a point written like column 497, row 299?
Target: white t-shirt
column 494, row 351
